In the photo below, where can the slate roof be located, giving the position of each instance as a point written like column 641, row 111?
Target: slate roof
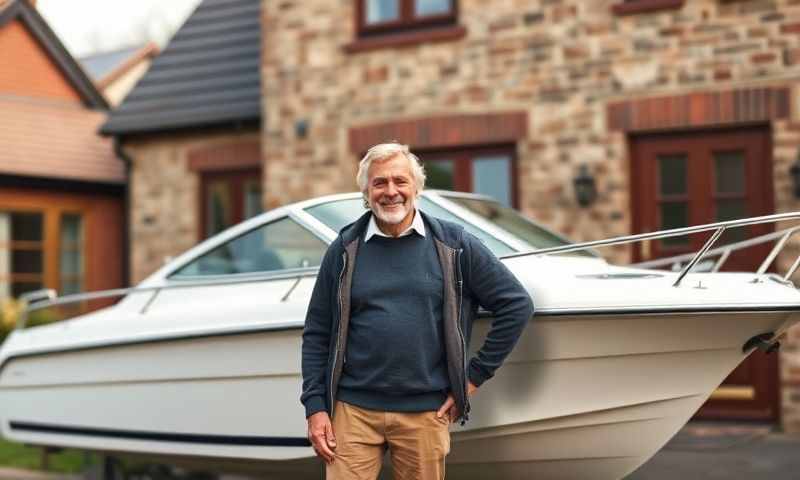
column 208, row 74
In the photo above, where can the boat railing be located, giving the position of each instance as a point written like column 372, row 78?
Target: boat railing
column 46, row 298
column 718, row 228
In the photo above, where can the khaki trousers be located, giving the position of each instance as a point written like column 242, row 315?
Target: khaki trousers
column 417, row 441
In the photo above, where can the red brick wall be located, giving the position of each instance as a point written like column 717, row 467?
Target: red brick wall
column 26, row 69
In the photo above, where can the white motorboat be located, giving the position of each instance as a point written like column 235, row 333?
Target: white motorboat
column 199, row 364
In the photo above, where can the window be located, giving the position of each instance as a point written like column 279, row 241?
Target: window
column 21, row 252
column 382, row 16
column 229, row 198
column 71, row 254
column 489, row 172
column 278, row 245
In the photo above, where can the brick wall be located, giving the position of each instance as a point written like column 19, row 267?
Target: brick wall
column 33, row 72
column 564, row 64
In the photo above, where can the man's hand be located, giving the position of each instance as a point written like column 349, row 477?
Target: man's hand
column 449, row 407
column 320, row 434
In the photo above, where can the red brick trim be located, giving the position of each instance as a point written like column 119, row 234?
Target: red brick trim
column 406, row 39
column 225, row 157
column 443, row 132
column 645, row 6
column 700, row 109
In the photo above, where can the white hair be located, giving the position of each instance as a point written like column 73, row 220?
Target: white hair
column 384, row 151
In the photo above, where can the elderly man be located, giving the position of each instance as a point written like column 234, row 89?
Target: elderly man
column 384, row 347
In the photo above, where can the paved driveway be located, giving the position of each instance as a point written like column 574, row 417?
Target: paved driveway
column 705, row 451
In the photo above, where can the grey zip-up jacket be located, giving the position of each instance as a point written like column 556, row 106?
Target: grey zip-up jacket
column 473, row 277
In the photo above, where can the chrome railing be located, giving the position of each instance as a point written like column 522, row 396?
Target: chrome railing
column 48, row 299
column 32, row 301
column 718, row 228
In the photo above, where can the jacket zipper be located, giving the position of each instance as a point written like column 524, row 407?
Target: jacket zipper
column 460, row 280
column 338, row 329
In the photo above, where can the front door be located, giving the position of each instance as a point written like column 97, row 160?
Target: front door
column 682, row 179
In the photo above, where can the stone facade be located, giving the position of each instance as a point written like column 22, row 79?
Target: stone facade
column 564, row 64
column 165, row 194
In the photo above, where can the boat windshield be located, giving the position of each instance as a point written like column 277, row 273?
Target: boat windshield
column 514, row 223
column 338, row 213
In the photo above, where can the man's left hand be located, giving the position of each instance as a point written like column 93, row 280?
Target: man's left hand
column 449, row 407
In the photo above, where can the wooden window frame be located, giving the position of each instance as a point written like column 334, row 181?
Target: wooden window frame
column 463, row 158
column 408, row 29
column 633, row 7
column 237, row 177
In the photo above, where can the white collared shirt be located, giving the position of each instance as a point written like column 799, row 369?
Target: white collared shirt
column 416, row 224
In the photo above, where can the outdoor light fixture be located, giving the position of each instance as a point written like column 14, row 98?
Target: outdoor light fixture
column 585, row 188
column 795, row 172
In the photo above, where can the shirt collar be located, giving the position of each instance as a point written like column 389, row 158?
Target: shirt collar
column 416, row 224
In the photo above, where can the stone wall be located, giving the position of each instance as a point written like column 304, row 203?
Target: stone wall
column 562, row 62
column 165, row 195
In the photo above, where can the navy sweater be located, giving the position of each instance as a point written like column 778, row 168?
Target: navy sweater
column 395, row 357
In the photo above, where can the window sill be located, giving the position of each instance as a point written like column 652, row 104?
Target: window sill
column 645, row 6
column 406, row 39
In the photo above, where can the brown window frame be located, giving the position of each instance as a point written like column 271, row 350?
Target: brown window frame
column 463, row 158
column 236, row 179
column 408, row 29
column 633, row 7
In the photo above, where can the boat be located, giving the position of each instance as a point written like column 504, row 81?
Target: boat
column 198, row 365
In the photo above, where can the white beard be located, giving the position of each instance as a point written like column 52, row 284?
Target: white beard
column 392, row 217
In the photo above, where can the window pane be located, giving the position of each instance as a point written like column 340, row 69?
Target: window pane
column 432, row 7
column 18, row 288
column 731, row 209
column 218, row 207
column 71, row 254
column 279, row 245
column 26, row 261
column 379, row 11
column 672, row 174
column 674, row 215
column 26, row 226
column 252, row 198
column 439, row 174
column 729, row 172
column 491, row 175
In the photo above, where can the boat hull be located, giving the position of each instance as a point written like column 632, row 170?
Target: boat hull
column 583, row 395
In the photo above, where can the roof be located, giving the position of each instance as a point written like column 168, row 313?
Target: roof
column 55, row 138
column 22, row 10
column 208, row 74
column 100, row 65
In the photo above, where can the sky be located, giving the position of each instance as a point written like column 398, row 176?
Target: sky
column 90, row 26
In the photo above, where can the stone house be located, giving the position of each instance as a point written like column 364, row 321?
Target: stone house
column 62, row 188
column 681, row 112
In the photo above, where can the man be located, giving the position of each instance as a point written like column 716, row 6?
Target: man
column 384, row 346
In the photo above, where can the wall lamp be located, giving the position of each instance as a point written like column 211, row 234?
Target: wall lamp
column 585, row 187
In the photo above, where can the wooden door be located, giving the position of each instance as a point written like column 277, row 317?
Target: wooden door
column 682, row 179
column 227, row 198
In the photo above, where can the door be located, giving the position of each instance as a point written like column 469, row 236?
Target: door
column 684, row 179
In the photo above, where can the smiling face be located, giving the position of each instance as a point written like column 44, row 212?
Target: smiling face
column 392, row 192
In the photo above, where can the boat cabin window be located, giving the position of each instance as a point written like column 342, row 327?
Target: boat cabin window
column 338, row 213
column 514, row 223
column 279, row 245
